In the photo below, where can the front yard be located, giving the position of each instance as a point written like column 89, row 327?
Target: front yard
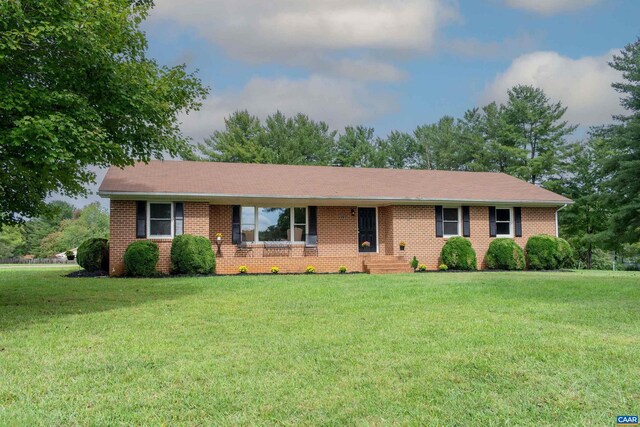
column 425, row 349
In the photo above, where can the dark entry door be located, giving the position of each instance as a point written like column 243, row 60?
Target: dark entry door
column 367, row 229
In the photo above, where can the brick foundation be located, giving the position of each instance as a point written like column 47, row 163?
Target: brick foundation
column 337, row 237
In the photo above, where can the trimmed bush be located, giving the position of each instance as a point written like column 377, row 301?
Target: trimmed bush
column 192, row 255
column 564, row 253
column 505, row 254
column 414, row 263
column 93, row 254
column 141, row 258
column 458, row 254
column 546, row 252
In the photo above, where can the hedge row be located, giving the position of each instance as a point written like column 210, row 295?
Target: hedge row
column 543, row 252
column 189, row 255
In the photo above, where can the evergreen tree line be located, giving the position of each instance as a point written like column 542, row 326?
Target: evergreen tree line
column 526, row 137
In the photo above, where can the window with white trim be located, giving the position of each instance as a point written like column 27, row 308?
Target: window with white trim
column 451, row 222
column 273, row 224
column 160, row 220
column 248, row 223
column 504, row 222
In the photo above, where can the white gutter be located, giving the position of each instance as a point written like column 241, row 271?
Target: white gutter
column 406, row 200
column 558, row 210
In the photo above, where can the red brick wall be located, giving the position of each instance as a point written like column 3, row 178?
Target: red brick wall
column 416, row 226
column 123, row 231
column 337, row 237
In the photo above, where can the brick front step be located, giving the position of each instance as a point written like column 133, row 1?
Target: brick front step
column 386, row 266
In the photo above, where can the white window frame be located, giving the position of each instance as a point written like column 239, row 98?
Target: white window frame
column 256, row 214
column 511, row 222
column 172, row 220
column 293, row 223
column 459, row 233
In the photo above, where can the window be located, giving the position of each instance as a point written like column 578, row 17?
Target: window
column 451, row 221
column 273, row 224
column 503, row 222
column 248, row 223
column 160, row 219
column 299, row 224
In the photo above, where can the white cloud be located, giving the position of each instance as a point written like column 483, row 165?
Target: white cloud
column 583, row 85
column 549, row 7
column 311, row 32
column 338, row 102
column 508, row 47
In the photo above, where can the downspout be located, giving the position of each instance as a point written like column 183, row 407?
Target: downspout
column 558, row 210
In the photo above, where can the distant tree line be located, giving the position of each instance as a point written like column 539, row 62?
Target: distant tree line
column 62, row 228
column 526, row 137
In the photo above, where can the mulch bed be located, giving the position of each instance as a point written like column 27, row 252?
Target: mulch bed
column 85, row 273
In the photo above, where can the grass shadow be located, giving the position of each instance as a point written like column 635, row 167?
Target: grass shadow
column 33, row 296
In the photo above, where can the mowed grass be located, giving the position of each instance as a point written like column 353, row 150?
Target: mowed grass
column 421, row 349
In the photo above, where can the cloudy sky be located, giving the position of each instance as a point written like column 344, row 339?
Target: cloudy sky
column 391, row 64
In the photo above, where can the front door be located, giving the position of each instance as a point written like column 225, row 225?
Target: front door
column 367, row 230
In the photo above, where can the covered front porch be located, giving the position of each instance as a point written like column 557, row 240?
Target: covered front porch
column 359, row 238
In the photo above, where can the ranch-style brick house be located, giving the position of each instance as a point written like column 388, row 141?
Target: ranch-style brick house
column 327, row 217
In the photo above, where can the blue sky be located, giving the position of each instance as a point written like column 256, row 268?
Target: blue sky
column 391, row 64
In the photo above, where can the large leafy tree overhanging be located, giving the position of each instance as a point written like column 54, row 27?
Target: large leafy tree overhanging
column 76, row 89
column 624, row 165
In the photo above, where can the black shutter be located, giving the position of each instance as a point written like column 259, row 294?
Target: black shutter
column 466, row 225
column 492, row 222
column 235, row 225
column 313, row 221
column 141, row 220
column 439, row 228
column 517, row 217
column 179, row 218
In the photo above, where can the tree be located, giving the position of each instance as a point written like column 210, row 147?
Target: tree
column 535, row 124
column 356, row 147
column 91, row 221
column 241, row 141
column 298, row 140
column 281, row 140
column 77, row 90
column 38, row 228
column 584, row 222
column 447, row 145
column 624, row 164
column 11, row 241
column 400, row 150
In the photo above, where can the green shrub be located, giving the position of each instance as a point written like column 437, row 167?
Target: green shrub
column 601, row 260
column 414, row 263
column 192, row 255
column 458, row 254
column 543, row 253
column 93, row 254
column 564, row 253
column 140, row 259
column 443, row 267
column 310, row 269
column 342, row 269
column 422, row 267
column 505, row 254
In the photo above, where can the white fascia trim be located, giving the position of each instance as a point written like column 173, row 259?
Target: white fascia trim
column 201, row 196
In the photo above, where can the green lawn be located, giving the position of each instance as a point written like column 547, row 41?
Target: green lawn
column 424, row 349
